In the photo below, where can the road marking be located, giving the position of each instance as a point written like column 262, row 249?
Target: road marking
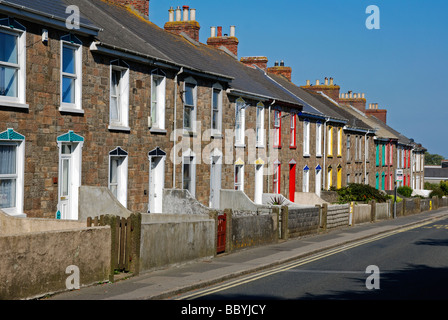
column 297, row 263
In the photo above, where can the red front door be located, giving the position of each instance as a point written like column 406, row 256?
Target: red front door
column 292, row 181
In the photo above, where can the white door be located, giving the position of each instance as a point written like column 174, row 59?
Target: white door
column 156, row 183
column 65, row 180
column 215, row 181
column 258, row 183
column 318, row 184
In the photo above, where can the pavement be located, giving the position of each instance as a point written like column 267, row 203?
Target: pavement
column 173, row 281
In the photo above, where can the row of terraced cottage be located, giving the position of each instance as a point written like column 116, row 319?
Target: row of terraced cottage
column 117, row 102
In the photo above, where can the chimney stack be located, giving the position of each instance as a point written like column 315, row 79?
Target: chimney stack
column 261, row 62
column 327, row 87
column 140, row 6
column 184, row 24
column 373, row 110
column 281, row 70
column 356, row 100
column 226, row 43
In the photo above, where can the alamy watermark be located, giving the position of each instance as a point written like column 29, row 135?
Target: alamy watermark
column 373, row 20
column 373, row 280
column 73, row 21
column 72, row 282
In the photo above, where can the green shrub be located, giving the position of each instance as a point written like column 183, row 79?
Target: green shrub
column 398, row 198
column 438, row 192
column 405, row 191
column 360, row 193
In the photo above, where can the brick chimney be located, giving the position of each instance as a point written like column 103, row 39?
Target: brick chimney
column 281, row 70
column 356, row 100
column 140, row 6
column 373, row 110
column 261, row 62
column 228, row 43
column 329, row 88
column 183, row 22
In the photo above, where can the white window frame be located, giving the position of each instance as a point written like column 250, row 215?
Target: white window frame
column 190, row 156
column 260, row 125
column 75, row 44
column 17, row 210
column 293, row 131
column 122, row 96
column 122, row 175
column 158, row 100
column 216, row 109
column 318, row 139
column 18, row 31
column 240, row 116
column 193, row 113
column 277, row 128
column 306, row 138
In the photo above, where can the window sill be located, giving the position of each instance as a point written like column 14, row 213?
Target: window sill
column 71, row 110
column 318, row 155
column 17, row 105
column 217, row 136
column 292, row 147
column 119, row 128
column 240, row 146
column 157, row 130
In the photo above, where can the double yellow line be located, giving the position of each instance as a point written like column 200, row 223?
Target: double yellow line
column 288, row 266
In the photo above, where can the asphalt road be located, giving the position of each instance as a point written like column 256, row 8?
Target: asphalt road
column 412, row 264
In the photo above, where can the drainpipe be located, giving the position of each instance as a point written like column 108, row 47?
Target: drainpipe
column 268, row 143
column 174, row 125
column 324, row 168
column 365, row 157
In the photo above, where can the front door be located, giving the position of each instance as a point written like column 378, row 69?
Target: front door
column 65, row 180
column 292, row 181
column 156, row 183
column 318, row 185
column 215, row 181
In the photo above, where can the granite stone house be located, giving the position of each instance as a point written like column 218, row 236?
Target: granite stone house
column 107, row 98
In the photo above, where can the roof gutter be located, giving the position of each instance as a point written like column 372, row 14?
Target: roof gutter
column 105, row 48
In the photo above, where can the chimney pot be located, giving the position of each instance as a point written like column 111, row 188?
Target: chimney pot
column 331, row 81
column 282, row 63
column 363, row 96
column 212, row 32
column 193, row 14
column 326, row 81
column 308, row 82
column 276, row 64
column 219, row 31
column 186, row 10
column 317, row 82
column 232, row 31
column 178, row 14
column 171, row 14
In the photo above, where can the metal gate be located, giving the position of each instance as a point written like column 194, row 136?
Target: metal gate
column 221, row 245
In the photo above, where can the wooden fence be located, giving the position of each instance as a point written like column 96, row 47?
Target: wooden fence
column 125, row 234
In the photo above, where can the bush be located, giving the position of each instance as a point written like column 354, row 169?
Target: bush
column 405, row 191
column 398, row 198
column 361, row 193
column 438, row 192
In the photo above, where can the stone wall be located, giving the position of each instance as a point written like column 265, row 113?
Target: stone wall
column 303, row 221
column 34, row 258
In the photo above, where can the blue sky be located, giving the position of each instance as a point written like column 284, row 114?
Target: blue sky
column 403, row 66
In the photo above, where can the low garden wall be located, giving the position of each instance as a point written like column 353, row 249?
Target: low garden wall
column 38, row 256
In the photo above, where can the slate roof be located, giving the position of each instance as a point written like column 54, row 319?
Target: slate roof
column 49, row 8
column 123, row 29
